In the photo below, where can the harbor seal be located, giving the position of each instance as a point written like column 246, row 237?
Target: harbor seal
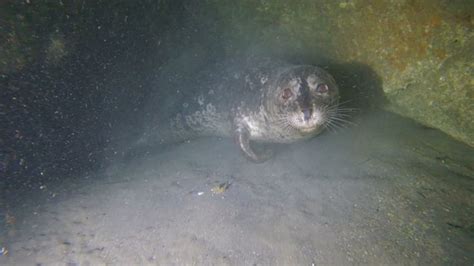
column 264, row 100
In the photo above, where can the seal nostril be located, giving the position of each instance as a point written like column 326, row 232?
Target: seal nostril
column 307, row 114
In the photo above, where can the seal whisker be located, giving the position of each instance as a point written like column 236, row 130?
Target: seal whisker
column 344, row 102
column 342, row 109
column 332, row 127
column 340, row 125
column 329, row 127
column 341, row 119
column 282, row 120
column 341, row 103
column 343, row 123
column 340, row 115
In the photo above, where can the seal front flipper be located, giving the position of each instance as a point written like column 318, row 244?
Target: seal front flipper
column 242, row 137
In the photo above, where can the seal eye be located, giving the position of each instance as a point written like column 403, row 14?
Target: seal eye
column 287, row 93
column 322, row 88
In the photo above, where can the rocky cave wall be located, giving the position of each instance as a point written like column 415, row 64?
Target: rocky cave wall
column 422, row 50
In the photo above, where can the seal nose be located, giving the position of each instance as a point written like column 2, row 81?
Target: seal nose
column 307, row 114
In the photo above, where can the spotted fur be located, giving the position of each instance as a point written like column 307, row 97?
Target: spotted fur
column 264, row 101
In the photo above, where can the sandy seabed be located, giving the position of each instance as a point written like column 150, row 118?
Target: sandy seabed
column 384, row 191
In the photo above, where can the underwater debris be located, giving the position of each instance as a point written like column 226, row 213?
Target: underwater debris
column 221, row 188
column 3, row 251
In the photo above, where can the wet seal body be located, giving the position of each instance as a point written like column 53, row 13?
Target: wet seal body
column 265, row 101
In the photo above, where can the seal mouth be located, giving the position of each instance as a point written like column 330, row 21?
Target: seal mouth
column 309, row 131
column 307, row 120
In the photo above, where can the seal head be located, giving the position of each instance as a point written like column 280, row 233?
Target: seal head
column 303, row 98
column 298, row 104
